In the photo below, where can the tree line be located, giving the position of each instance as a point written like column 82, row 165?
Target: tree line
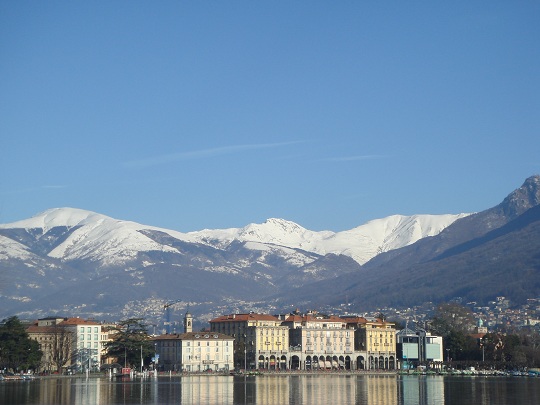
column 502, row 348
column 130, row 343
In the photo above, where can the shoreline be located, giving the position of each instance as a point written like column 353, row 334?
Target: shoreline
column 175, row 375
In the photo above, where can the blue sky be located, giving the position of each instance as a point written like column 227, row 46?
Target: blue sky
column 215, row 114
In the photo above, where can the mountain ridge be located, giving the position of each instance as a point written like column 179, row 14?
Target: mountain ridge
column 464, row 260
column 377, row 235
column 84, row 262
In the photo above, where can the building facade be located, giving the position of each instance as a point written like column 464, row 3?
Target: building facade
column 56, row 342
column 374, row 343
column 319, row 342
column 260, row 340
column 419, row 347
column 88, row 348
column 78, row 341
column 194, row 351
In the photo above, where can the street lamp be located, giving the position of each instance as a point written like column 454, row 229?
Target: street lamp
column 448, row 355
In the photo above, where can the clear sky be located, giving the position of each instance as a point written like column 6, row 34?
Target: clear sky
column 217, row 114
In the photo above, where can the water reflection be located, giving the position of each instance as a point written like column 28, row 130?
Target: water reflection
column 421, row 390
column 275, row 389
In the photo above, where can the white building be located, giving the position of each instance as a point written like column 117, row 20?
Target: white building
column 194, row 351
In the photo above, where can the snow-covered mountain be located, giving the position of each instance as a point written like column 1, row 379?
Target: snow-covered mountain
column 68, row 258
column 96, row 237
column 361, row 243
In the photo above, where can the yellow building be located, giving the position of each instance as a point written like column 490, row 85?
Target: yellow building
column 377, row 339
column 260, row 340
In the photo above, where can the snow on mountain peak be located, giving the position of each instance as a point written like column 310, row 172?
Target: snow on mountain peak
column 361, row 243
column 98, row 237
column 68, row 217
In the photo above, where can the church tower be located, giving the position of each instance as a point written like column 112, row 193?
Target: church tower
column 188, row 322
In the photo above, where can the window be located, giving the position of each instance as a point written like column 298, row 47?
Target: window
column 89, row 337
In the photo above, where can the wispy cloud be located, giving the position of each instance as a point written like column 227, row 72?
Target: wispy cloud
column 202, row 154
column 33, row 189
column 354, row 158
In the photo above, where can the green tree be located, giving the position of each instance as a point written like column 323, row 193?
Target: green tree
column 452, row 317
column 130, row 339
column 454, row 322
column 17, row 351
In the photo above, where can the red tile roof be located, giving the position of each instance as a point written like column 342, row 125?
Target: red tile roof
column 78, row 321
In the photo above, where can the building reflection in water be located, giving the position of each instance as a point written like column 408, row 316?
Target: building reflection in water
column 421, row 390
column 260, row 390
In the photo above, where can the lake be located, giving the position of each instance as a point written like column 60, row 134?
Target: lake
column 360, row 389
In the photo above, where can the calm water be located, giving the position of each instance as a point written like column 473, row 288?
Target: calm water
column 277, row 389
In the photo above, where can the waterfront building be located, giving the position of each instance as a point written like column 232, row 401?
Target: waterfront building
column 418, row 347
column 77, row 340
column 319, row 342
column 260, row 339
column 374, row 342
column 194, row 351
column 55, row 342
column 88, row 347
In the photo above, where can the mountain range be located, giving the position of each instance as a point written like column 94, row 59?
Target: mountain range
column 65, row 260
column 77, row 262
column 491, row 253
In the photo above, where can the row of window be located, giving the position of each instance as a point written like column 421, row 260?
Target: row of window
column 328, row 333
column 89, row 329
column 88, row 337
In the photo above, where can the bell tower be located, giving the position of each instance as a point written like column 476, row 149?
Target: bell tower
column 188, row 322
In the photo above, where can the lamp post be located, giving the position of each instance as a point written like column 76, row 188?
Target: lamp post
column 483, row 353
column 245, row 358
